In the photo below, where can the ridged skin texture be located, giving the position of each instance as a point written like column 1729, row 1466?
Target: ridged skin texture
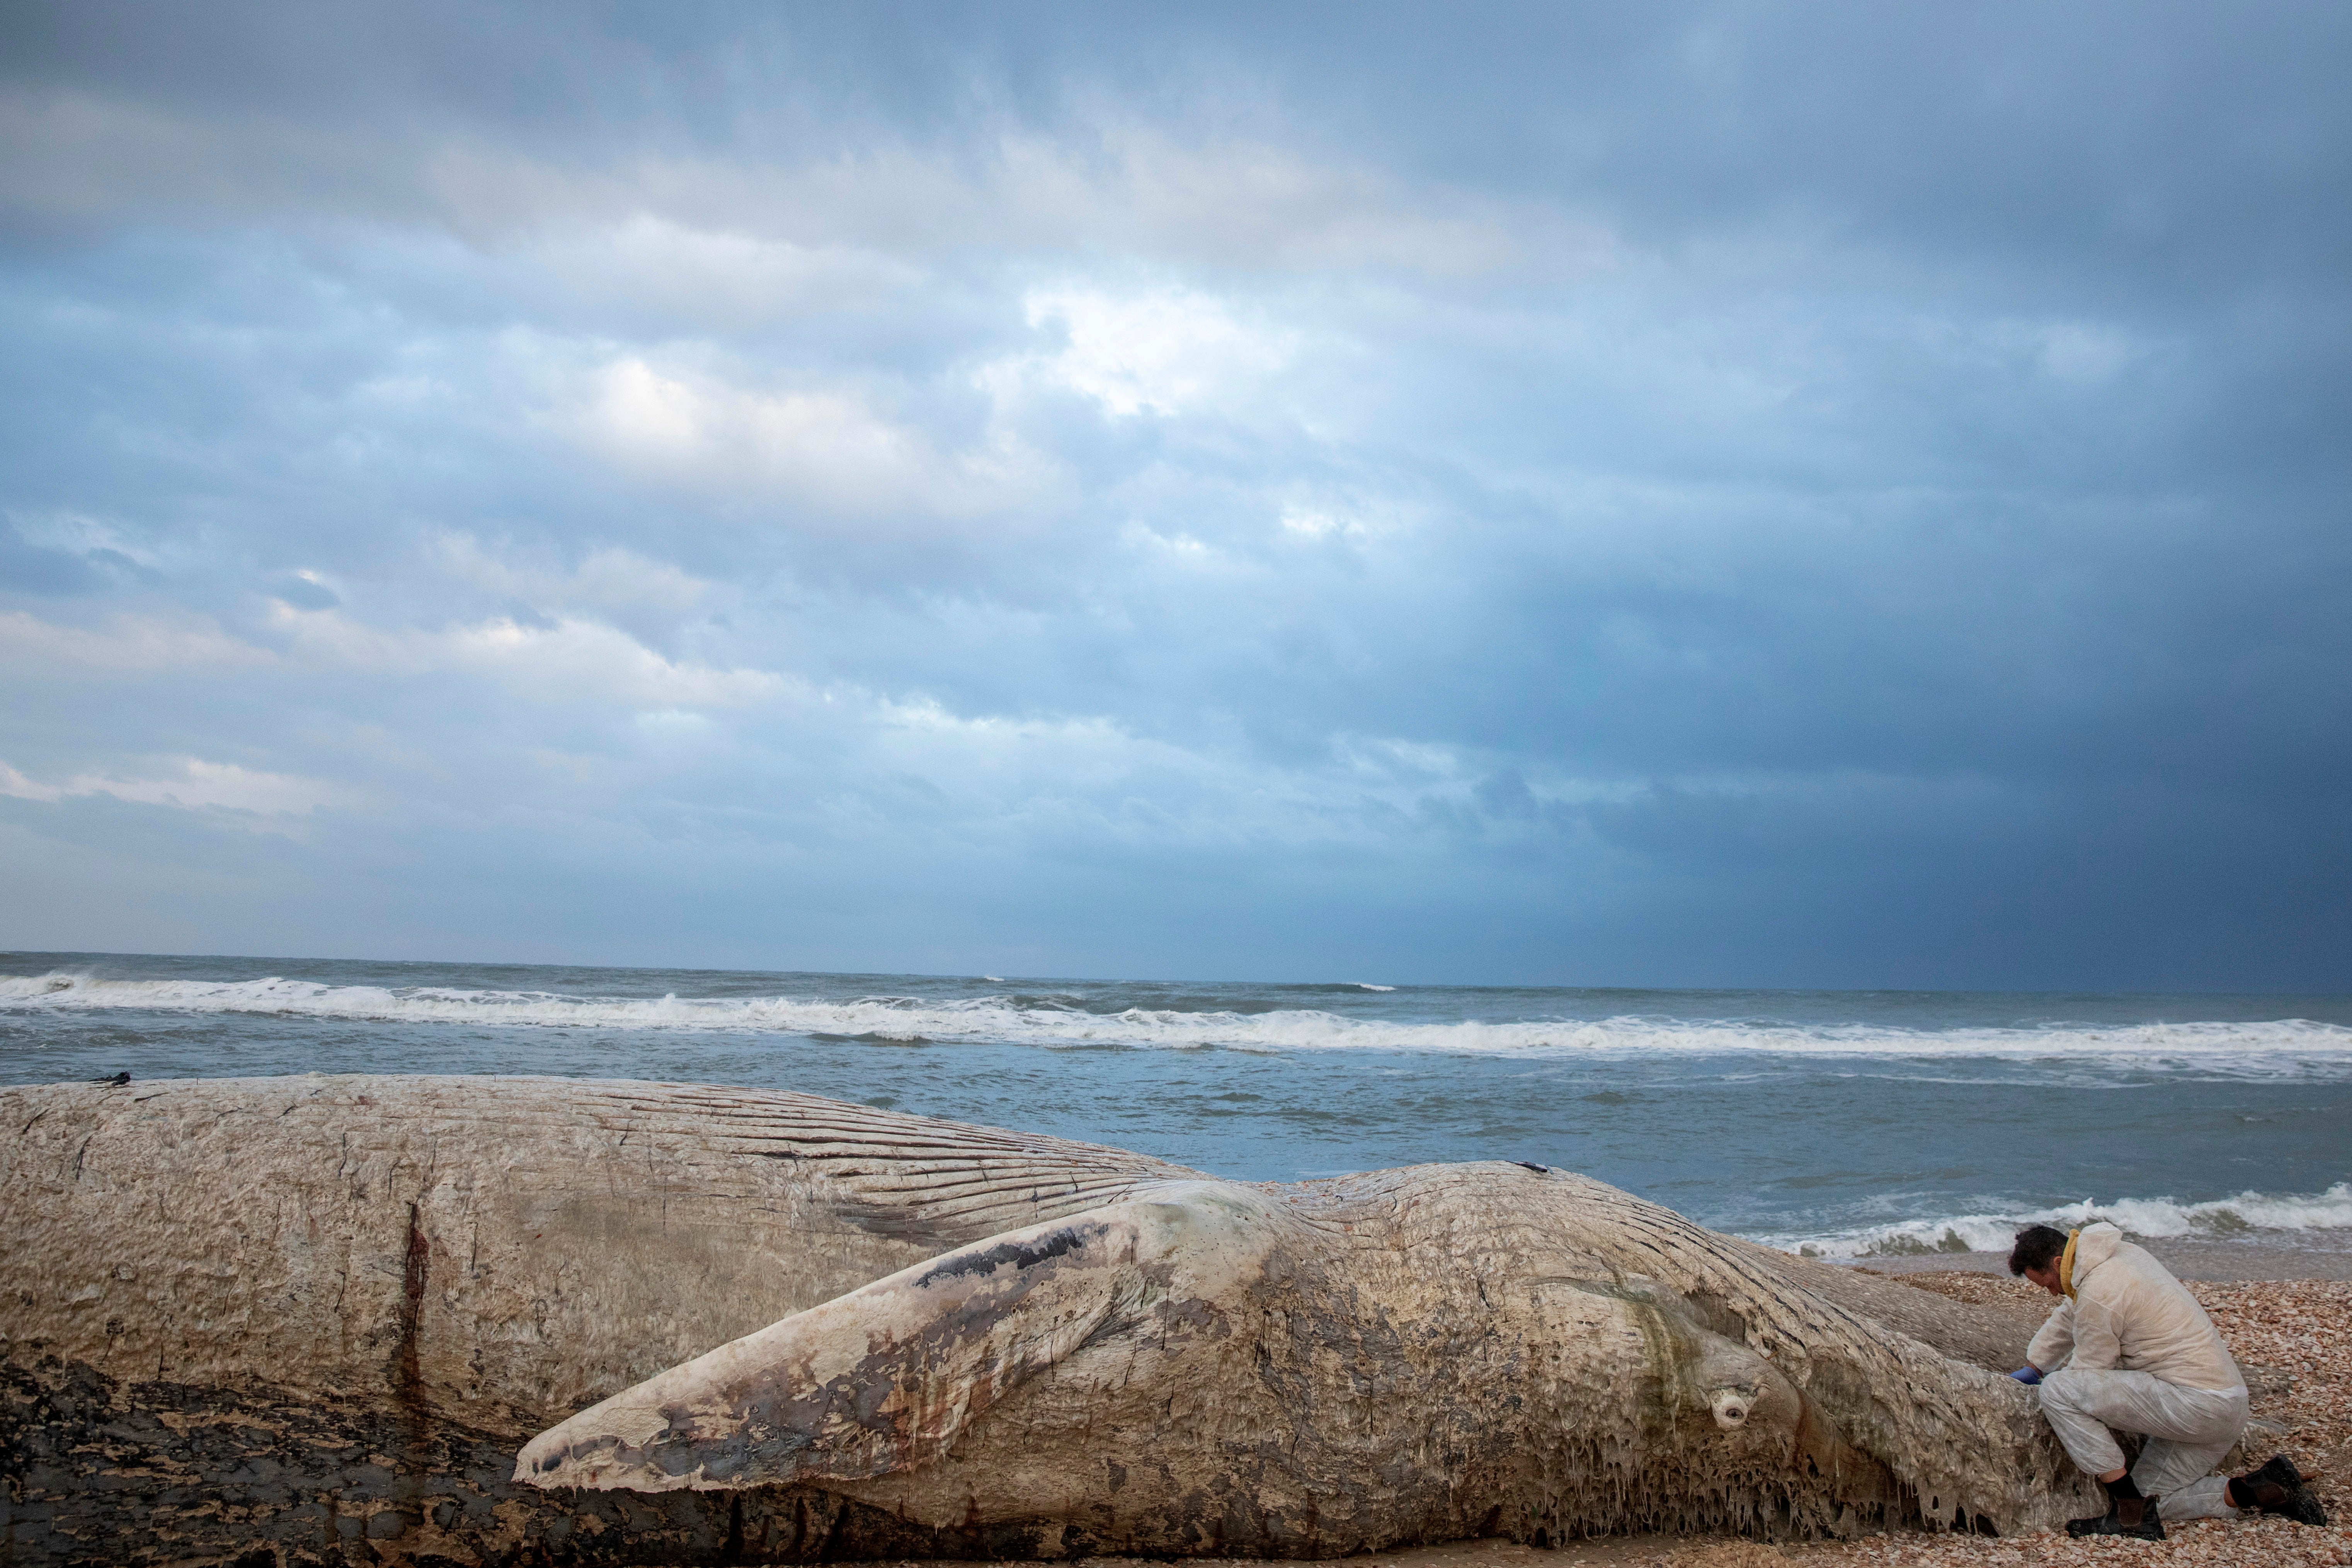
column 1411, row 1354
column 559, row 1240
column 1032, row 1346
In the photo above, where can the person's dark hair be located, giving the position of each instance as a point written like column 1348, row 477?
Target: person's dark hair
column 2038, row 1247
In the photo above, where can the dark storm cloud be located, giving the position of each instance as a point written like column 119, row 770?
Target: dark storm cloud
column 2097, row 148
column 1669, row 495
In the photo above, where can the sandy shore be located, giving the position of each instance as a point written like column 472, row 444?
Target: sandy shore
column 2293, row 1334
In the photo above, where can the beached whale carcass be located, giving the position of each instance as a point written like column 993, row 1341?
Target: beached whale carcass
column 1415, row 1354
column 318, row 1314
column 325, row 1314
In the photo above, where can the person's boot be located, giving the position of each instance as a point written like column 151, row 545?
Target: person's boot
column 2128, row 1513
column 2276, row 1489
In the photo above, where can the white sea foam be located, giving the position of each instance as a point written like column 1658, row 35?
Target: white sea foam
column 2265, row 1217
column 2295, row 1046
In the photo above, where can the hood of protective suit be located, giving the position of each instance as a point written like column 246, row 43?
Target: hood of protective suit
column 2130, row 1314
column 2094, row 1244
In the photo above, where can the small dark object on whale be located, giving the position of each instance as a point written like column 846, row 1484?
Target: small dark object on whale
column 117, row 1081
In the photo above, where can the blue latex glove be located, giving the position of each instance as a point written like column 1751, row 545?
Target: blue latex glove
column 2026, row 1374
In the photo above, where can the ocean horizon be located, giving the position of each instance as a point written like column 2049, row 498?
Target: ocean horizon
column 1846, row 1123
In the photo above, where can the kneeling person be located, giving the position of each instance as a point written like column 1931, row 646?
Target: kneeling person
column 2141, row 1356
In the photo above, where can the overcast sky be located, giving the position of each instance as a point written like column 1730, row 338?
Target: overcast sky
column 1685, row 495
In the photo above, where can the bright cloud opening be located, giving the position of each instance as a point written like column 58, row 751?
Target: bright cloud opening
column 1160, row 353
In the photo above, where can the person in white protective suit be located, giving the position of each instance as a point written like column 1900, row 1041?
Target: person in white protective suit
column 2128, row 1347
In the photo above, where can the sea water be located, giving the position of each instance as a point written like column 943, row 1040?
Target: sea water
column 1850, row 1123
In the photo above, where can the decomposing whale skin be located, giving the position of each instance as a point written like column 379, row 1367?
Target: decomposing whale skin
column 319, row 1313
column 1338, row 1366
column 323, row 1316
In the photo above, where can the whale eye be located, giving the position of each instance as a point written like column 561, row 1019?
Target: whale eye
column 1730, row 1408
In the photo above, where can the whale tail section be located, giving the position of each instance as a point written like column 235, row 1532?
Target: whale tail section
column 883, row 1379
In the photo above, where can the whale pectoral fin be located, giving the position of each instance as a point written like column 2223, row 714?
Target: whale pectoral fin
column 883, row 1378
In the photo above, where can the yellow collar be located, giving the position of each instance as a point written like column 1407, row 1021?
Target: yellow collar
column 2066, row 1264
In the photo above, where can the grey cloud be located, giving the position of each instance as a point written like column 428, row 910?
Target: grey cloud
column 37, row 569
column 1661, row 496
column 302, row 593
column 2100, row 151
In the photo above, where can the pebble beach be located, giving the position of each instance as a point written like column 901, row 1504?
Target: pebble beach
column 2295, row 1339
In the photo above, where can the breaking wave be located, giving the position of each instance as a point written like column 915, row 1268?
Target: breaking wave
column 2243, row 1048
column 2265, row 1216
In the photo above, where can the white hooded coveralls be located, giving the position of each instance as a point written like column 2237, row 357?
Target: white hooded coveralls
column 2140, row 1355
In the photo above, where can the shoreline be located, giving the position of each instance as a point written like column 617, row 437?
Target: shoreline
column 2188, row 1258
